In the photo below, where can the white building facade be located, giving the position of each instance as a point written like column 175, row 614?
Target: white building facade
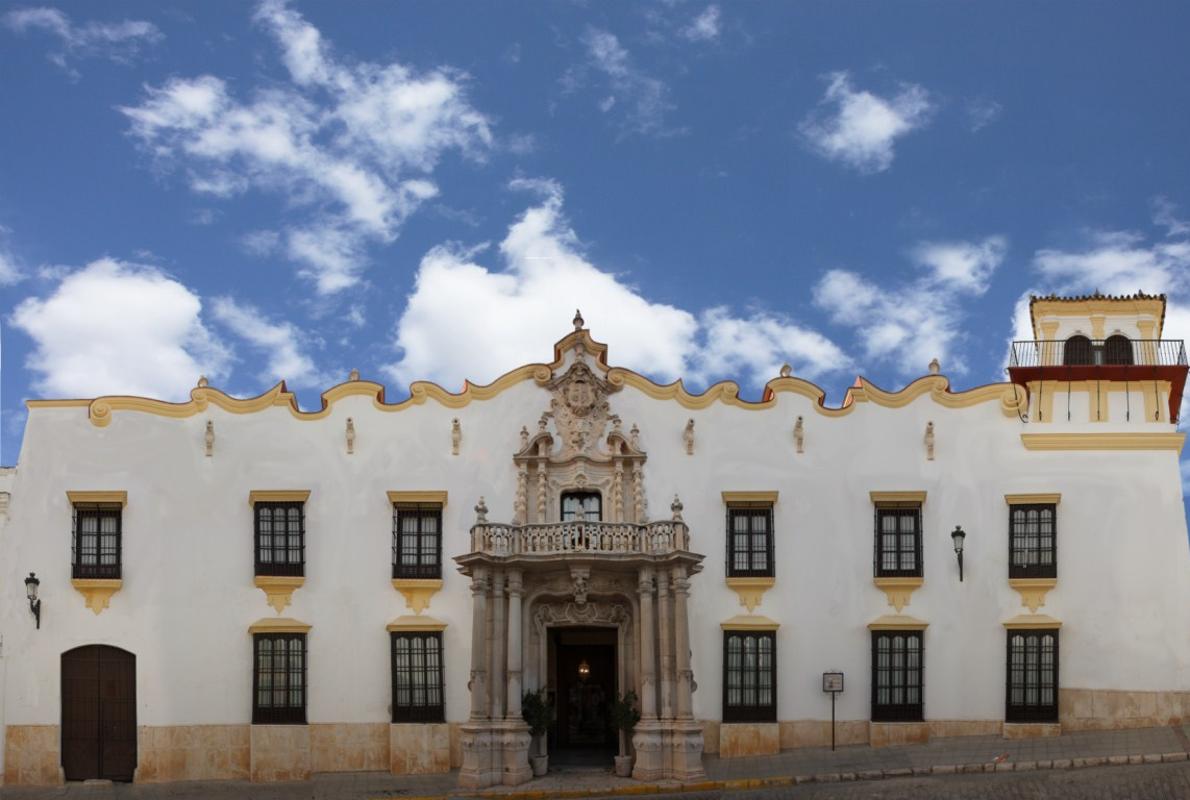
column 235, row 588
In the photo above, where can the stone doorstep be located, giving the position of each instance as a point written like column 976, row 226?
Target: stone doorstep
column 822, row 777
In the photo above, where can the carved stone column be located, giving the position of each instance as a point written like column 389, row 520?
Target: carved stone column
column 685, row 676
column 664, row 624
column 647, row 736
column 515, row 654
column 479, row 651
column 497, row 640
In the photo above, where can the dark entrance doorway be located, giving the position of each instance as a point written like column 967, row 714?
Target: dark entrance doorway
column 98, row 713
column 584, row 667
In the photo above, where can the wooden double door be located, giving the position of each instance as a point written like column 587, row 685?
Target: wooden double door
column 98, row 713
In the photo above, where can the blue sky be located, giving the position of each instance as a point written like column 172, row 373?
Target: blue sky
column 428, row 190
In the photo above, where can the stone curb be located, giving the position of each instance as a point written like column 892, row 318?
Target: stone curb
column 737, row 784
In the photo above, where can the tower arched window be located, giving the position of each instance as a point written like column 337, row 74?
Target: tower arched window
column 1117, row 350
column 1077, row 351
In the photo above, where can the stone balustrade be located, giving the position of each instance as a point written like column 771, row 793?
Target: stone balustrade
column 563, row 538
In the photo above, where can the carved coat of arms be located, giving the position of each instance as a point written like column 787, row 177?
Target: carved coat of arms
column 579, row 408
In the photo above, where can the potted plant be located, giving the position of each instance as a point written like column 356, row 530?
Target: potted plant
column 624, row 718
column 538, row 713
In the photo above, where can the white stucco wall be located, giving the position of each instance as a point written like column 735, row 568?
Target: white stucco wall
column 188, row 598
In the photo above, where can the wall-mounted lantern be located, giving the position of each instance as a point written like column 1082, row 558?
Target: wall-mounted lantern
column 958, row 536
column 31, row 584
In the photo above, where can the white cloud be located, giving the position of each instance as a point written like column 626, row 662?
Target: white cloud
column 119, row 328
column 704, row 27
column 353, row 144
column 643, row 99
column 1166, row 215
column 860, row 128
column 118, row 41
column 10, row 272
column 910, row 325
column 981, row 112
column 457, row 301
column 281, row 342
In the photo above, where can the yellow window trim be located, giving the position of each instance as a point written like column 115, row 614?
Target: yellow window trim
column 279, row 625
column 750, row 622
column 278, row 496
column 751, row 590
column 750, row 497
column 1104, row 441
column 415, row 623
column 278, row 589
column 97, row 591
column 418, row 496
column 1031, row 622
column 114, row 496
column 1033, row 590
column 897, row 622
column 898, row 497
column 417, row 591
column 1030, row 499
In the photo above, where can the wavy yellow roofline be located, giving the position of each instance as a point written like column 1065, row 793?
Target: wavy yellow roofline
column 1012, row 397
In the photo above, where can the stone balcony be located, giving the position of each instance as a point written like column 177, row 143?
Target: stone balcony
column 581, row 539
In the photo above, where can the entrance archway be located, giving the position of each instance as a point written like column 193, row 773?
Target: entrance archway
column 98, row 713
column 584, row 668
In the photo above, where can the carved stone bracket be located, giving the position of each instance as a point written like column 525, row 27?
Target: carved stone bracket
column 98, row 592
column 898, row 590
column 1033, row 590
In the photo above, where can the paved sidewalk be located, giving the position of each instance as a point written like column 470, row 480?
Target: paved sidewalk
column 856, row 762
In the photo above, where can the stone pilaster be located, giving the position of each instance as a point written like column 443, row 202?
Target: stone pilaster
column 647, row 736
column 685, row 676
column 664, row 626
column 479, row 650
column 498, row 635
column 515, row 654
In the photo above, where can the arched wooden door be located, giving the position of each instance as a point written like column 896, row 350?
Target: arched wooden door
column 98, row 713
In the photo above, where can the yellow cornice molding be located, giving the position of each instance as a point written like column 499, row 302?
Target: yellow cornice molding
column 749, row 622
column 1031, row 622
column 278, row 496
column 750, row 497
column 417, row 591
column 112, row 496
column 97, row 591
column 415, row 623
column 1033, row 498
column 418, row 496
column 279, row 625
column 898, row 590
column 1104, row 441
column 1033, row 590
column 1153, row 307
column 897, row 622
column 898, row 497
column 278, row 589
column 751, row 590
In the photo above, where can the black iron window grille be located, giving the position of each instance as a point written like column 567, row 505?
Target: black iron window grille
column 417, row 677
column 1032, row 692
column 417, row 540
column 898, row 542
column 1033, row 541
column 749, row 676
column 897, row 671
column 749, row 541
column 582, row 507
column 279, row 679
column 280, row 538
column 96, row 541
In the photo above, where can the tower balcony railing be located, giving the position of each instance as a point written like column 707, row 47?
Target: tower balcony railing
column 1115, row 351
column 580, row 538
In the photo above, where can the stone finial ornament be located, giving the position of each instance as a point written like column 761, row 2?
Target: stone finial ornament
column 929, row 441
column 353, row 375
column 481, row 511
column 524, row 436
column 634, row 437
column 935, row 366
column 209, row 438
column 541, row 423
column 203, row 382
column 676, row 507
column 688, row 437
column 578, row 320
column 350, row 435
column 786, row 370
column 799, row 434
column 456, row 436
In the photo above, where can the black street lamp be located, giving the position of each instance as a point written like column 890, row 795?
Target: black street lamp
column 31, row 584
column 958, row 536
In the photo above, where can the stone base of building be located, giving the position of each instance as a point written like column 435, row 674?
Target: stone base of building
column 749, row 739
column 33, row 756
column 494, row 754
column 888, row 734
column 668, row 750
column 1031, row 730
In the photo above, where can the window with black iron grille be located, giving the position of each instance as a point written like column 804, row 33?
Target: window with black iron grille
column 749, row 676
column 897, row 669
column 417, row 540
column 749, row 541
column 582, row 507
column 96, row 547
column 898, row 541
column 1033, row 541
column 417, row 677
column 1032, row 693
column 280, row 538
column 279, row 679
